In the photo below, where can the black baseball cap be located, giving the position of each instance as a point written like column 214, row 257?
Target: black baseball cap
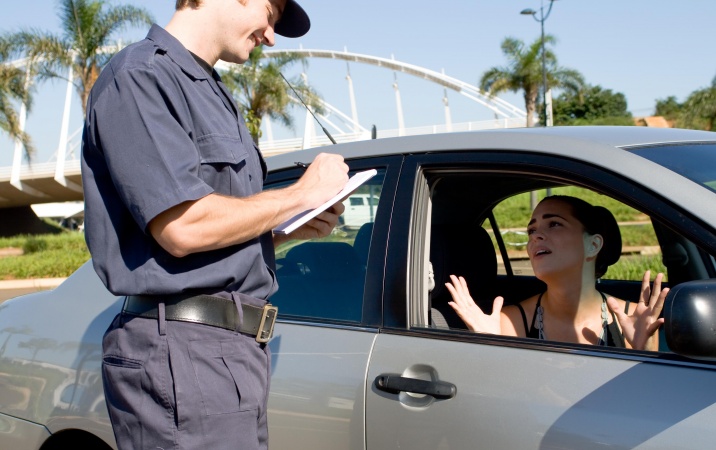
column 294, row 21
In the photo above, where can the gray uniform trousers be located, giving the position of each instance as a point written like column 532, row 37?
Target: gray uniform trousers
column 178, row 385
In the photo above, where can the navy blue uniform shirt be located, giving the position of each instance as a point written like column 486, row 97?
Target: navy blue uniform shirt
column 160, row 131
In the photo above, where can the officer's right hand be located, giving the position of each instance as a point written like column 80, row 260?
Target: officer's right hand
column 324, row 178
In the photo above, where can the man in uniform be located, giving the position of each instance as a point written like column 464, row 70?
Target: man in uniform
column 177, row 222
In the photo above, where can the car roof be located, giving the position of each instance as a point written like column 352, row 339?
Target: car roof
column 598, row 146
column 550, row 140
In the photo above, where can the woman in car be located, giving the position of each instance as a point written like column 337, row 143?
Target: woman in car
column 571, row 244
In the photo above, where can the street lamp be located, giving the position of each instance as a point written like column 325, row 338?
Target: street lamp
column 541, row 19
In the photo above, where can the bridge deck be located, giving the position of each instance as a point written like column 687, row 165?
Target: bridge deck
column 38, row 185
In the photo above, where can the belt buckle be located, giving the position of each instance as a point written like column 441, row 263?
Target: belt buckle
column 268, row 320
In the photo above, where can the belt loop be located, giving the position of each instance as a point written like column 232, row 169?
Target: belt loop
column 162, row 319
column 239, row 310
column 121, row 314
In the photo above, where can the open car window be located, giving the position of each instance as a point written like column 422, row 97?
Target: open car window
column 477, row 223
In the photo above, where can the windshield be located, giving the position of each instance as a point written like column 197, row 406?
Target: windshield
column 696, row 162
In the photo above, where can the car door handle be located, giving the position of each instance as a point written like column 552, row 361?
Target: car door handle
column 395, row 384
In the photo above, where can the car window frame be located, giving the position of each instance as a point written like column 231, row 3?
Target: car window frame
column 409, row 221
column 373, row 291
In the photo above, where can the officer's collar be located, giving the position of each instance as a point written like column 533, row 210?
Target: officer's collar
column 176, row 51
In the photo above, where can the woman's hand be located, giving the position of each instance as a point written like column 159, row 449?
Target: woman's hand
column 469, row 312
column 640, row 329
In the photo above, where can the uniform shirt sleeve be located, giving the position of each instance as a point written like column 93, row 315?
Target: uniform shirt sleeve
column 140, row 127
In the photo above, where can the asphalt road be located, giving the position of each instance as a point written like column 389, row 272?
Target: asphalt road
column 14, row 288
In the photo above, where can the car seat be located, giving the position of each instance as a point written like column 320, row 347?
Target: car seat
column 361, row 244
column 321, row 279
column 458, row 250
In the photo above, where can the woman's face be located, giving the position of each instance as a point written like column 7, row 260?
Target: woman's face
column 557, row 241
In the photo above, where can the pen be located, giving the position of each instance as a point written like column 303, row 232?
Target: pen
column 301, row 164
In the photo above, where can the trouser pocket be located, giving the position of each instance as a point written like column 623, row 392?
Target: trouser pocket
column 227, row 376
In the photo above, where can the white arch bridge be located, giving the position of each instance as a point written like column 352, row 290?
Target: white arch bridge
column 59, row 179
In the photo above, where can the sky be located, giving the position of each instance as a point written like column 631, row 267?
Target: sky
column 645, row 49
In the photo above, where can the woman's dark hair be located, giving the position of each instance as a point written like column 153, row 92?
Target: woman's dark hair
column 597, row 220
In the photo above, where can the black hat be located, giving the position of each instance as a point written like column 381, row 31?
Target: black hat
column 294, row 21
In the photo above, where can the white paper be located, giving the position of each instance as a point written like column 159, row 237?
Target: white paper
column 299, row 219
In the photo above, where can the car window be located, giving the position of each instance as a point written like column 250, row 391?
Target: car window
column 696, row 162
column 324, row 278
column 477, row 229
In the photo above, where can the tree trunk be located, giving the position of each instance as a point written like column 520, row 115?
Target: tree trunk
column 530, row 106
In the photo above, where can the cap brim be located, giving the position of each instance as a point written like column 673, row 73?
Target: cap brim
column 294, row 21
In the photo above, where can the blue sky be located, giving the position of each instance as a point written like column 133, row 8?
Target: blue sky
column 645, row 49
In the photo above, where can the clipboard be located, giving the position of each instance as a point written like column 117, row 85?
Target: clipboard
column 353, row 183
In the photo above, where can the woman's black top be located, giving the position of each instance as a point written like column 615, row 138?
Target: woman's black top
column 614, row 334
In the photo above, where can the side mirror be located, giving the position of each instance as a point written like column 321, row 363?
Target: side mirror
column 690, row 319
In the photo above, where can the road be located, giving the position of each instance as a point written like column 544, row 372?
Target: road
column 13, row 288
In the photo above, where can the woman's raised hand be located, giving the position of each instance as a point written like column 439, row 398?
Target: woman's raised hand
column 641, row 326
column 469, row 312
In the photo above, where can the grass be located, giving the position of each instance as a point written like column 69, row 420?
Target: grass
column 43, row 256
column 633, row 268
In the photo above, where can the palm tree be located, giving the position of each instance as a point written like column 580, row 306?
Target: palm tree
column 524, row 72
column 260, row 90
column 700, row 107
column 87, row 27
column 13, row 90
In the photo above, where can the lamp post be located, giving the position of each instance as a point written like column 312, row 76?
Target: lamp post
column 542, row 17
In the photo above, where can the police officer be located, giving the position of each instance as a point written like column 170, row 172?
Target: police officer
column 176, row 221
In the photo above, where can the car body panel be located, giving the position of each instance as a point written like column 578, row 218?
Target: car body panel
column 317, row 386
column 535, row 399
column 66, row 385
column 18, row 434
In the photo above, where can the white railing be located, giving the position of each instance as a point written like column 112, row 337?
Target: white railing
column 276, row 147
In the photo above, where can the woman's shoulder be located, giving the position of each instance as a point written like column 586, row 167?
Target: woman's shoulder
column 513, row 315
column 527, row 305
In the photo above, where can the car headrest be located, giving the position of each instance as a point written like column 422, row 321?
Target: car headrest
column 456, row 250
column 362, row 241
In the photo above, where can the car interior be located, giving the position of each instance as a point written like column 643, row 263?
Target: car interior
column 314, row 273
column 466, row 240
column 460, row 241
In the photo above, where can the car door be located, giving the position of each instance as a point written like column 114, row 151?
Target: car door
column 442, row 388
column 328, row 316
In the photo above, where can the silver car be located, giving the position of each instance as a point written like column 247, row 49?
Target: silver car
column 368, row 355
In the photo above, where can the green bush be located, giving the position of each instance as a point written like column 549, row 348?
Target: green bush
column 34, row 245
column 44, row 256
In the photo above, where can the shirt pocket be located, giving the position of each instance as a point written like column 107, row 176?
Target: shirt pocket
column 223, row 161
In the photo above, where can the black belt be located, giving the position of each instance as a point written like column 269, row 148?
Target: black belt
column 206, row 309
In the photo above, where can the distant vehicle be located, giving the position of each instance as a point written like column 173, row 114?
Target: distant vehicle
column 366, row 354
column 360, row 208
